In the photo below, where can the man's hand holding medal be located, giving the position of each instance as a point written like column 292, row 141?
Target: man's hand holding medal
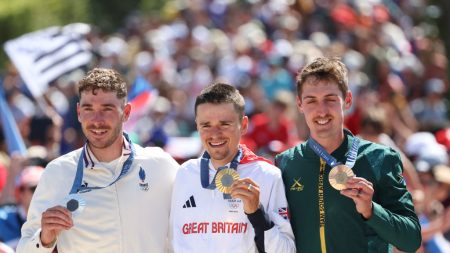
column 248, row 191
column 342, row 178
column 361, row 191
column 228, row 182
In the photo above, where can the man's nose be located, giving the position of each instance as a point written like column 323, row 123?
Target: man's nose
column 322, row 108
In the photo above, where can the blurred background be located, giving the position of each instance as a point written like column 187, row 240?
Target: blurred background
column 396, row 51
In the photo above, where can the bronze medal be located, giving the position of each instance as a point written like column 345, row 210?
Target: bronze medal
column 339, row 175
column 225, row 178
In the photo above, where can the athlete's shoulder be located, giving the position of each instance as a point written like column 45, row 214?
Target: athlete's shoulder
column 61, row 170
column 188, row 170
column 293, row 151
column 149, row 151
column 261, row 168
column 190, row 165
column 65, row 161
column 153, row 153
column 288, row 155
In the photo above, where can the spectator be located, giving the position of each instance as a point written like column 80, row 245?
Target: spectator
column 434, row 213
column 431, row 110
column 12, row 216
column 373, row 128
column 273, row 124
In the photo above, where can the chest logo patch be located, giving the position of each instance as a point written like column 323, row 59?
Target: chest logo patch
column 142, row 183
column 234, row 205
column 297, row 185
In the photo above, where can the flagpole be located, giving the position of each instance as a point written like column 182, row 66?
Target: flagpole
column 13, row 138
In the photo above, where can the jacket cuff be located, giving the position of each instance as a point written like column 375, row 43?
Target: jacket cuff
column 378, row 215
column 260, row 220
column 37, row 244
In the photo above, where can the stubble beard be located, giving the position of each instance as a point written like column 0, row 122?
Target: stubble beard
column 108, row 142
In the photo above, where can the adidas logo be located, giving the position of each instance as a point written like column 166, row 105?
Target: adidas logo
column 190, row 203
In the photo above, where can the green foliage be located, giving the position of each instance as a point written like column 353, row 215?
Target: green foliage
column 18, row 17
column 149, row 6
column 111, row 14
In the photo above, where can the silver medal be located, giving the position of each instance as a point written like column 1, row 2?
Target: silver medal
column 74, row 203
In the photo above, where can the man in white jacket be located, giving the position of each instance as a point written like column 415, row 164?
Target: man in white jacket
column 109, row 196
column 228, row 200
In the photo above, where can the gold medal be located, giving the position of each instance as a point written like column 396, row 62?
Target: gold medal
column 339, row 175
column 224, row 180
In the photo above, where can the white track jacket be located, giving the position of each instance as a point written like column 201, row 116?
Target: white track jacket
column 131, row 215
column 203, row 221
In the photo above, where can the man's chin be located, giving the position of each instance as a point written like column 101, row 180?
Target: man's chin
column 95, row 143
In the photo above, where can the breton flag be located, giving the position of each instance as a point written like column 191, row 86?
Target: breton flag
column 47, row 54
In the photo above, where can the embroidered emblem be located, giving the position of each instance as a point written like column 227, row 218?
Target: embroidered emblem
column 284, row 212
column 143, row 185
column 234, row 205
column 296, row 186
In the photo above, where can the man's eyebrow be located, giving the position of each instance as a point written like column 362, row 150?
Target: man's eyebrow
column 327, row 95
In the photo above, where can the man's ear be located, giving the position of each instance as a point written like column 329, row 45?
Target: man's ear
column 244, row 125
column 348, row 100
column 126, row 112
column 299, row 104
column 78, row 112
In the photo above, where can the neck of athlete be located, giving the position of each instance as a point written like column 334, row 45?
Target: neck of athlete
column 110, row 153
column 220, row 163
column 330, row 143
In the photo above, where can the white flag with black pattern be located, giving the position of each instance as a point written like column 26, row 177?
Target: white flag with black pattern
column 44, row 55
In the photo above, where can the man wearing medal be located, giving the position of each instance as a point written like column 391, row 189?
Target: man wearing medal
column 91, row 199
column 353, row 196
column 229, row 199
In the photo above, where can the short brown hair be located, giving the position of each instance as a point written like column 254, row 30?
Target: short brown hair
column 221, row 93
column 105, row 79
column 324, row 68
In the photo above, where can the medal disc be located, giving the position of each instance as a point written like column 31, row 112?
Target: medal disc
column 224, row 180
column 74, row 203
column 339, row 175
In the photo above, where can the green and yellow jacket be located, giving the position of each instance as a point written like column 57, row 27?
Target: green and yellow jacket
column 325, row 221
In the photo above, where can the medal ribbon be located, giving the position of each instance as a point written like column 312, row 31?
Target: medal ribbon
column 76, row 187
column 330, row 160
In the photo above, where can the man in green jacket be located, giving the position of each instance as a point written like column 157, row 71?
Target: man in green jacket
column 345, row 194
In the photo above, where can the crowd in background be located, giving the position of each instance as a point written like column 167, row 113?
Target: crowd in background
column 397, row 73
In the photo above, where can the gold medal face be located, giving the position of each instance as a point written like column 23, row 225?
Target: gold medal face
column 224, row 180
column 339, row 175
